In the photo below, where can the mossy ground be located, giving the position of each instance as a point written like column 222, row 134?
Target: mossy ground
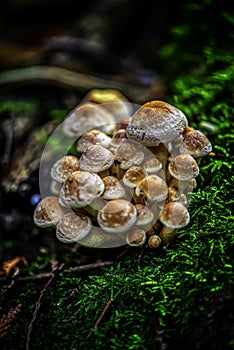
column 181, row 296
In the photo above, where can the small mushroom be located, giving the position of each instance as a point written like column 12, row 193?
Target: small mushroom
column 127, row 155
column 118, row 137
column 88, row 116
column 64, row 167
column 174, row 215
column 113, row 188
column 96, row 159
column 93, row 137
column 133, row 176
column 48, row 212
column 154, row 241
column 195, row 143
column 156, row 122
column 117, row 216
column 136, row 237
column 72, row 227
column 153, row 187
column 80, row 189
column 152, row 165
column 183, row 167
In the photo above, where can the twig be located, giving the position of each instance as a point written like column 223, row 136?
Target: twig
column 100, row 317
column 46, row 275
column 38, row 304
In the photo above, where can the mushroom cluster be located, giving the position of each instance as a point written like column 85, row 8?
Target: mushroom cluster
column 132, row 177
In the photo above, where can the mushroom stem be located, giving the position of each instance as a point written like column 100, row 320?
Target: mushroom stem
column 161, row 153
column 167, row 234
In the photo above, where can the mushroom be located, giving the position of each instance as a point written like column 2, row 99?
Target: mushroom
column 152, row 165
column 195, row 143
column 118, row 137
column 153, row 187
column 80, row 189
column 117, row 216
column 88, row 116
column 97, row 238
column 64, row 167
column 174, row 215
column 136, row 237
column 72, row 227
column 154, row 241
column 93, row 137
column 127, row 154
column 48, row 212
column 183, row 167
column 113, row 188
column 96, row 158
column 133, row 176
column 155, row 125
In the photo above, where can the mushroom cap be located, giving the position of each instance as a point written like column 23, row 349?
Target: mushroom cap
column 118, row 137
column 174, row 215
column 80, row 189
column 133, row 176
column 96, row 158
column 183, row 167
column 113, row 188
column 48, row 212
column 154, row 241
column 152, row 165
column 136, row 237
column 195, row 143
column 117, row 216
column 127, row 155
column 153, row 187
column 64, row 167
column 156, row 122
column 144, row 215
column 93, row 137
column 88, row 116
column 73, row 227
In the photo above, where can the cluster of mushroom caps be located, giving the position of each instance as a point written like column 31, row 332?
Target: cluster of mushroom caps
column 132, row 178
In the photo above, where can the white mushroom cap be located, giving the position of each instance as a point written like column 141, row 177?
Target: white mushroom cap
column 72, row 227
column 152, row 165
column 113, row 188
column 183, row 167
column 133, row 176
column 118, row 137
column 88, row 116
column 80, row 189
column 117, row 216
column 136, row 237
column 93, row 137
column 48, row 212
column 64, row 167
column 144, row 214
column 127, row 155
column 174, row 215
column 196, row 144
column 156, row 122
column 154, row 188
column 96, row 159
column 154, row 241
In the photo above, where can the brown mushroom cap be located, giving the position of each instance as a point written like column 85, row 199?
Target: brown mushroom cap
column 154, row 241
column 117, row 216
column 136, row 237
column 144, row 215
column 48, row 212
column 96, row 159
column 64, row 167
column 93, row 137
column 113, row 188
column 174, row 215
column 183, row 167
column 196, row 144
column 152, row 165
column 88, row 116
column 73, row 227
column 133, row 176
column 153, row 187
column 127, row 155
column 156, row 122
column 80, row 189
